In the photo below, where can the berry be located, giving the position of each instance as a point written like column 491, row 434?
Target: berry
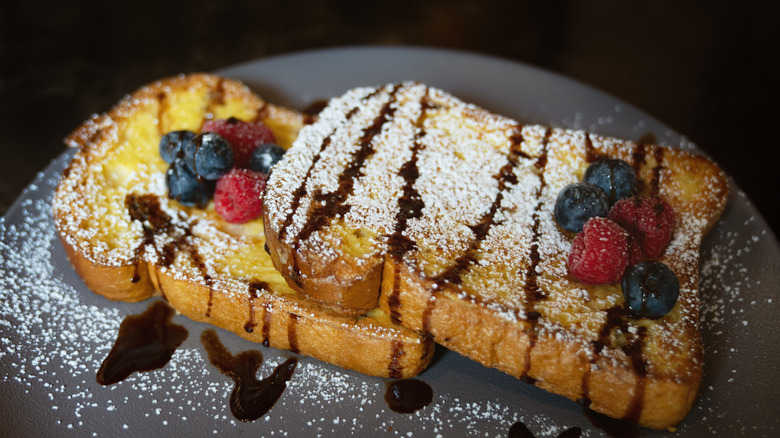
column 209, row 155
column 650, row 220
column 245, row 137
column 600, row 253
column 239, row 195
column 172, row 142
column 650, row 289
column 265, row 156
column 615, row 177
column 185, row 187
column 577, row 203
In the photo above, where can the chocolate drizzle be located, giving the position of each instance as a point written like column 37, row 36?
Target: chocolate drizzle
column 591, row 154
column 326, row 206
column 639, row 159
column 618, row 318
column 155, row 222
column 145, row 342
column 292, row 333
column 216, row 97
column 410, row 206
column 505, row 177
column 300, row 192
column 655, row 181
column 251, row 398
column 533, row 292
column 267, row 324
column 395, row 368
column 254, row 288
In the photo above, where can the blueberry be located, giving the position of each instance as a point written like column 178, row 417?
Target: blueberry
column 616, row 177
column 186, row 187
column 650, row 289
column 265, row 156
column 577, row 203
column 172, row 142
column 209, row 155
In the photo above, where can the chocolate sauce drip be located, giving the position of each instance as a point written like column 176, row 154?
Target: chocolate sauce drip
column 533, row 293
column 394, row 298
column 292, row 333
column 591, row 154
column 300, row 192
column 428, row 311
column 520, row 430
column 410, row 206
column 267, row 325
column 658, row 154
column 145, row 342
column 408, row 396
column 326, row 206
column 155, row 222
column 638, row 158
column 146, row 210
column 254, row 288
column 216, row 97
column 251, row 398
column 395, row 367
column 618, row 319
column 506, row 175
column 528, row 379
column 633, row 349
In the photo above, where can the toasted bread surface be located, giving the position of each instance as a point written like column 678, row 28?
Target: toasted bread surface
column 129, row 242
column 455, row 203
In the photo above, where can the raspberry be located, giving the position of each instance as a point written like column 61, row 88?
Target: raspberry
column 650, row 220
column 245, row 137
column 238, row 197
column 600, row 253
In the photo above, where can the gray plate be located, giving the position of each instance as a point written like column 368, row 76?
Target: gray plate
column 54, row 333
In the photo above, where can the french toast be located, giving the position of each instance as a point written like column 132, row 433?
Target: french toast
column 443, row 212
column 128, row 241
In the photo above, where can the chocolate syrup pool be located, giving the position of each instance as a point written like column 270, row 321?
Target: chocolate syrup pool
column 145, row 342
column 251, row 398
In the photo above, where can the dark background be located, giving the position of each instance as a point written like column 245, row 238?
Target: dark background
column 705, row 68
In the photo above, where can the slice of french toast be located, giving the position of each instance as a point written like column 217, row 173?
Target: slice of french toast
column 443, row 212
column 129, row 241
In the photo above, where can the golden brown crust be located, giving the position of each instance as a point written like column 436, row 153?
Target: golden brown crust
column 555, row 362
column 455, row 204
column 128, row 241
column 343, row 286
column 129, row 283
